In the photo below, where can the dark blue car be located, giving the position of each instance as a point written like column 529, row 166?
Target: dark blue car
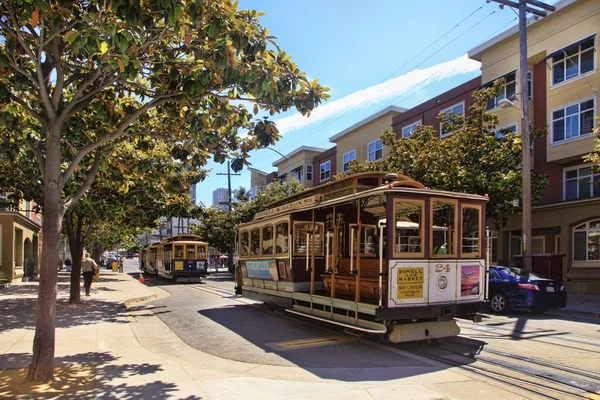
column 517, row 288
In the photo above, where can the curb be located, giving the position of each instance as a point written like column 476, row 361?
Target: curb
column 130, row 302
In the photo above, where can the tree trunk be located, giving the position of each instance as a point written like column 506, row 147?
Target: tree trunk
column 74, row 236
column 41, row 368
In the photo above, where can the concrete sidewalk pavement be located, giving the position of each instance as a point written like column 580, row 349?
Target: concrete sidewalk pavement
column 106, row 350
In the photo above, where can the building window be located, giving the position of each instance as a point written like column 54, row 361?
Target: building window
column 349, row 156
column 457, row 109
column 573, row 61
column 297, row 173
column 309, row 173
column 586, row 241
column 409, row 129
column 582, row 183
column 573, row 121
column 375, row 150
column 508, row 90
column 325, row 171
column 501, row 132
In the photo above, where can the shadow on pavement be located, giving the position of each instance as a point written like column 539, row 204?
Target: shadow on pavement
column 20, row 313
column 86, row 376
column 347, row 358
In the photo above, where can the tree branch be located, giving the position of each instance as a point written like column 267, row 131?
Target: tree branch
column 30, row 110
column 118, row 133
column 60, row 76
column 88, row 180
column 38, row 155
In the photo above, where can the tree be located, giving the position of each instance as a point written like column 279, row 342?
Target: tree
column 217, row 227
column 473, row 159
column 594, row 156
column 77, row 77
column 241, row 194
column 141, row 182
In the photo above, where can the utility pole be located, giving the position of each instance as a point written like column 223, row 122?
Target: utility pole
column 536, row 8
column 289, row 178
column 231, row 245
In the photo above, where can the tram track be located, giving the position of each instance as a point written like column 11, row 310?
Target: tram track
column 560, row 379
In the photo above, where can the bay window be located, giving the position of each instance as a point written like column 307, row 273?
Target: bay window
column 581, row 183
column 573, row 120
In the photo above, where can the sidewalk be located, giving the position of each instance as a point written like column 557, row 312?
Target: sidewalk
column 105, row 350
column 582, row 304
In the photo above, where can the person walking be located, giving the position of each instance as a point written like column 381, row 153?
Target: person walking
column 88, row 270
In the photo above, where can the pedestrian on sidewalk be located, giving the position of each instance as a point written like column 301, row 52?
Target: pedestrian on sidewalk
column 88, row 270
column 68, row 264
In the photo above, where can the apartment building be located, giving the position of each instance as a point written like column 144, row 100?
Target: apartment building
column 563, row 63
column 361, row 141
column 258, row 181
column 220, row 198
column 457, row 100
column 20, row 240
column 299, row 164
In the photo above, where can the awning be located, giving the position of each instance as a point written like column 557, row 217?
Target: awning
column 577, row 43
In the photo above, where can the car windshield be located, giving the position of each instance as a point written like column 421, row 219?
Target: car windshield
column 520, row 273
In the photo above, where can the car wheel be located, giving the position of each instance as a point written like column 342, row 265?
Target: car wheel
column 499, row 303
column 538, row 310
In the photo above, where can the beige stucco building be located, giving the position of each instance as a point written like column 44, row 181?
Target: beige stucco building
column 564, row 81
column 299, row 164
column 20, row 240
column 362, row 141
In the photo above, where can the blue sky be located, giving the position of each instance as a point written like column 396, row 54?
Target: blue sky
column 371, row 55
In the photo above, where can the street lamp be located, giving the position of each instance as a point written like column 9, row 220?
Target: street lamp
column 288, row 173
column 526, row 176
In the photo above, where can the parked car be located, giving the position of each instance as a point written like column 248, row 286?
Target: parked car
column 517, row 288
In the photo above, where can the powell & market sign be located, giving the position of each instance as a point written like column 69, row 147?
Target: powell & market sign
column 294, row 205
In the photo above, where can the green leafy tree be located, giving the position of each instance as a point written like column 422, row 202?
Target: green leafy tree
column 217, row 227
column 241, row 194
column 595, row 155
column 471, row 160
column 141, row 182
column 78, row 77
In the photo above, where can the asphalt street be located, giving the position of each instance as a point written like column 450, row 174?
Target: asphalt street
column 515, row 347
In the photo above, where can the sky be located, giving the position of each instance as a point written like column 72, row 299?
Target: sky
column 370, row 55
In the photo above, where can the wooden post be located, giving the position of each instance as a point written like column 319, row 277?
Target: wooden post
column 335, row 253
column 312, row 257
column 358, row 231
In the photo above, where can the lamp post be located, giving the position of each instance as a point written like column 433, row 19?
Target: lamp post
column 288, row 173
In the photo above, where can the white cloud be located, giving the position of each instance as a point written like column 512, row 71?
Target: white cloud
column 403, row 85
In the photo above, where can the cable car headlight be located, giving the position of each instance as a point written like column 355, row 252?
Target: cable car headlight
column 442, row 282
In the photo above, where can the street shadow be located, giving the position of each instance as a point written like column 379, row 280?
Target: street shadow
column 347, row 358
column 86, row 376
column 20, row 313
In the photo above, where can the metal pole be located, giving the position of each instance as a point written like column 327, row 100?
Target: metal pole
column 526, row 150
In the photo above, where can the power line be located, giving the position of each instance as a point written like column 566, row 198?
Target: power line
column 349, row 108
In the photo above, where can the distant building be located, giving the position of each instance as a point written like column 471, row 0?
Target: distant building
column 220, row 198
column 258, row 181
column 300, row 165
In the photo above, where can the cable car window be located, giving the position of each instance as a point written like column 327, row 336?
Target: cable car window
column 471, row 231
column 301, row 230
column 367, row 238
column 282, row 238
column 201, row 251
column 244, row 244
column 178, row 251
column 267, row 240
column 443, row 229
column 191, row 252
column 255, row 242
column 409, row 227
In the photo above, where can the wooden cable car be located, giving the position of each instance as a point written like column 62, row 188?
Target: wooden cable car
column 329, row 253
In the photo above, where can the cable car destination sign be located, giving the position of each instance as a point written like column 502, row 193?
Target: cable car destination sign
column 294, row 205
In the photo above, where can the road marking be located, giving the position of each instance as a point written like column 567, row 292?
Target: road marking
column 302, row 343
